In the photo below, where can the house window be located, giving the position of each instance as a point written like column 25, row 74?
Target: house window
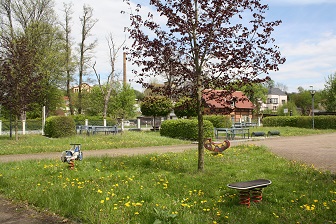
column 283, row 101
column 275, row 108
column 274, row 100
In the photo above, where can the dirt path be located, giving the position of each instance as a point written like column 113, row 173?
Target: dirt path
column 317, row 150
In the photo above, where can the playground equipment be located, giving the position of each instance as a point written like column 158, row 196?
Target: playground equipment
column 74, row 153
column 216, row 146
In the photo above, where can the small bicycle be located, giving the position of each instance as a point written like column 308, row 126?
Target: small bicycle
column 74, row 153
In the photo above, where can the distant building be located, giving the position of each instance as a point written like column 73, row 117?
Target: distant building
column 239, row 107
column 85, row 87
column 275, row 99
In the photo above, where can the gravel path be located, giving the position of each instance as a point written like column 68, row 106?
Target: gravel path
column 317, row 150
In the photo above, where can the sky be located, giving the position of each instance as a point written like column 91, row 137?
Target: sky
column 306, row 37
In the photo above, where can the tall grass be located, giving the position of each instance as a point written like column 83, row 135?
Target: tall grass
column 167, row 188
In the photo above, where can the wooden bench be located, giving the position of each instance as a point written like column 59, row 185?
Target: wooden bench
column 250, row 189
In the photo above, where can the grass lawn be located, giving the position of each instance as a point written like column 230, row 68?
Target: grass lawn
column 38, row 144
column 166, row 188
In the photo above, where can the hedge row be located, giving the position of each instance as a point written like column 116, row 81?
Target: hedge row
column 320, row 122
column 93, row 120
column 185, row 129
column 60, row 126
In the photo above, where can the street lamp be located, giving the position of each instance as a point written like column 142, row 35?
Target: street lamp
column 312, row 92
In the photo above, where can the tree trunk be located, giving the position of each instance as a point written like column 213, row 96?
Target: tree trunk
column 200, row 125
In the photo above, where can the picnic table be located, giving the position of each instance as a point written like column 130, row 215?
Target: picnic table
column 231, row 133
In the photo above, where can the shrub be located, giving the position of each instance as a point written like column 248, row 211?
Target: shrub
column 93, row 120
column 320, row 122
column 57, row 127
column 219, row 121
column 185, row 129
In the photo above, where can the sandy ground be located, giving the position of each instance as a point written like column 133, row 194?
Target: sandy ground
column 316, row 150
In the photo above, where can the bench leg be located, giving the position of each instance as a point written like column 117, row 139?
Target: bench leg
column 244, row 197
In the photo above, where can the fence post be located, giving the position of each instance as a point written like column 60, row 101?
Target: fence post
column 86, row 122
column 0, row 127
column 138, row 122
column 23, row 127
column 104, row 122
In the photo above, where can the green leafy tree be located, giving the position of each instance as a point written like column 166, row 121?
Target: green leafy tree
column 290, row 106
column 185, row 107
column 303, row 100
column 156, row 106
column 329, row 93
column 210, row 45
column 123, row 103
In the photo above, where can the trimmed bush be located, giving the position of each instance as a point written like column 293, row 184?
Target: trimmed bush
column 185, row 129
column 57, row 127
column 320, row 122
column 219, row 121
column 93, row 120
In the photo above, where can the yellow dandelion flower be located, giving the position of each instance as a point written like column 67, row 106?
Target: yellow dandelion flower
column 107, row 198
column 102, row 201
column 136, row 213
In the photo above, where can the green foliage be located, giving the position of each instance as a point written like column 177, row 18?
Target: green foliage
column 93, row 120
column 156, row 106
column 303, row 100
column 329, row 93
column 290, row 105
column 186, row 107
column 185, row 129
column 61, row 126
column 320, row 122
column 123, row 104
column 219, row 121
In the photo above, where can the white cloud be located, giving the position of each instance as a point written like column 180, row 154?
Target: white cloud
column 308, row 62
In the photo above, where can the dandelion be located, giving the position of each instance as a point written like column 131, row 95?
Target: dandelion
column 315, row 200
column 276, row 216
column 136, row 213
column 102, row 201
column 107, row 198
column 100, row 191
column 127, row 204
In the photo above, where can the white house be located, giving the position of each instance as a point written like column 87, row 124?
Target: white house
column 275, row 98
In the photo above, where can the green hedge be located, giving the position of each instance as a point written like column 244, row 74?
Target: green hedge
column 93, row 120
column 219, row 121
column 185, row 129
column 60, row 126
column 320, row 122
